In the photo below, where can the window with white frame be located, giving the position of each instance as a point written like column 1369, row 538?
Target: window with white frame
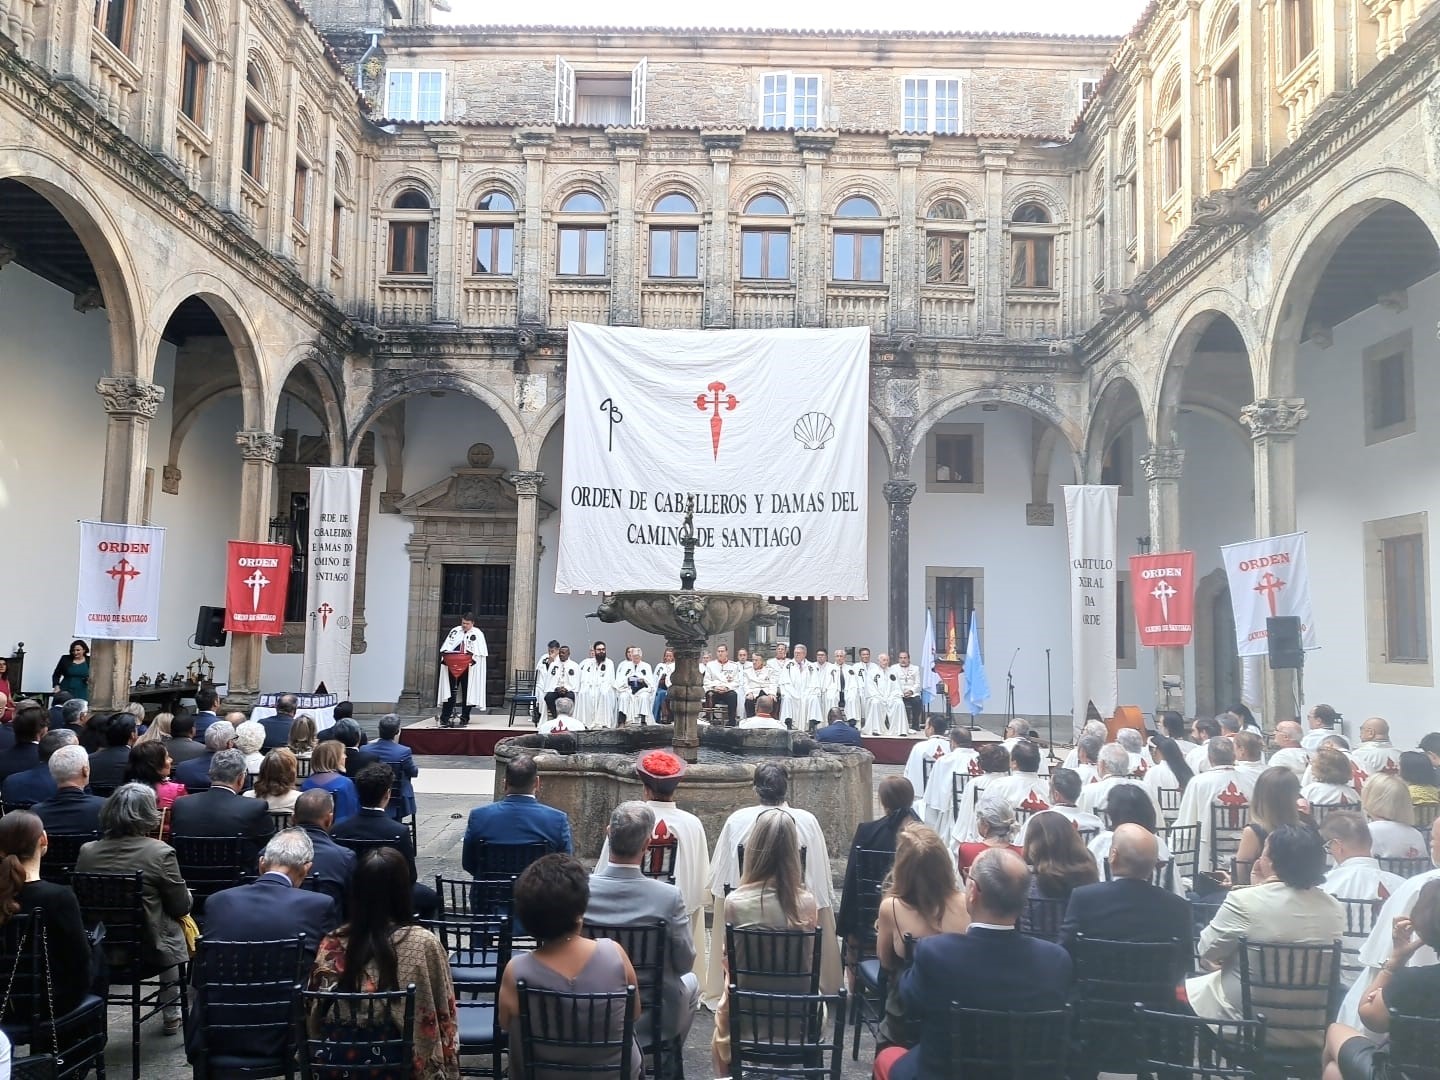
column 1087, row 88
column 930, row 103
column 415, row 95
column 788, row 100
column 606, row 97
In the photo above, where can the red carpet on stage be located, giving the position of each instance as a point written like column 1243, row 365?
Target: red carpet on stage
column 427, row 738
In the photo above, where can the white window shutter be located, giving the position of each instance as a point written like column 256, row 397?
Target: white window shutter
column 564, row 92
column 637, row 94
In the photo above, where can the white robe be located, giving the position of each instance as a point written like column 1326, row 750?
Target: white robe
column 542, row 676
column 755, row 683
column 910, row 682
column 884, row 711
column 634, row 704
column 855, row 676
column 1376, row 757
column 719, row 678
column 562, row 675
column 1378, row 947
column 939, row 806
column 932, row 749
column 1095, row 797
column 802, row 688
column 826, row 687
column 1202, row 792
column 595, row 697
column 783, row 671
column 457, row 640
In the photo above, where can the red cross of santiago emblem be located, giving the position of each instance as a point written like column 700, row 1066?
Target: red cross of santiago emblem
column 122, row 573
column 713, row 399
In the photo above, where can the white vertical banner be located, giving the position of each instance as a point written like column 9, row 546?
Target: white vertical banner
column 330, row 579
column 1091, row 517
column 118, row 597
column 1268, row 578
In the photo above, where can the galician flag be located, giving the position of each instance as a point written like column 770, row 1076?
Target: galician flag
column 927, row 662
column 977, row 685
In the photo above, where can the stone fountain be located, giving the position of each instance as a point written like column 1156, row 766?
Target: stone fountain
column 834, row 783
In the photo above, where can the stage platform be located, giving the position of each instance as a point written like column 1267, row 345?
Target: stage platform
column 426, row 736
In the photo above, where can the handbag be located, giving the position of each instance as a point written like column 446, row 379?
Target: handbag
column 35, row 920
column 191, row 930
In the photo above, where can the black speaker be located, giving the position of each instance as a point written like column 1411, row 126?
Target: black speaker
column 210, row 627
column 1282, row 636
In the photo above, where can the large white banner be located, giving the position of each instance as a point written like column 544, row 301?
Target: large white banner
column 330, row 579
column 1091, row 512
column 767, row 429
column 119, row 592
column 1268, row 577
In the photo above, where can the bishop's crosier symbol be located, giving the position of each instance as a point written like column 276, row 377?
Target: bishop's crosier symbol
column 1163, row 592
column 256, row 581
column 1268, row 587
column 122, row 573
column 712, row 399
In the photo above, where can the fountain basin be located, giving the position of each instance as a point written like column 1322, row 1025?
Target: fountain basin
column 834, row 784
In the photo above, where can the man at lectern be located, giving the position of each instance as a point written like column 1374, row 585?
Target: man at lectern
column 462, row 682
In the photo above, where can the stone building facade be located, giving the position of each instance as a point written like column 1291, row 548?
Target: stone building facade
column 1078, row 258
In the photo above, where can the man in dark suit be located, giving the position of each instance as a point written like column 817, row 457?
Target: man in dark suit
column 181, row 744
column 220, row 811
column 36, row 785
column 205, row 714
column 108, row 766
column 58, row 719
column 374, row 823
column 70, row 810
column 897, row 799
column 30, row 726
column 400, row 760
column 349, row 734
column 333, row 865
column 838, row 730
column 277, row 727
column 990, row 966
column 1129, row 907
column 195, row 773
column 518, row 818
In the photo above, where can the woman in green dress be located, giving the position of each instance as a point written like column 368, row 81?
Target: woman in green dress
column 72, row 673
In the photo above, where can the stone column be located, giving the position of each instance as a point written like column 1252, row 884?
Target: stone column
column 131, row 404
column 811, row 247
column 719, row 284
column 898, row 493
column 259, row 451
column 527, row 566
column 1273, row 423
column 909, row 253
column 1163, row 466
column 624, row 272
column 447, row 253
column 990, row 288
column 533, row 143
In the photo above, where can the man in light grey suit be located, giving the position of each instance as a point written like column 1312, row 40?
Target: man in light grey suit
column 620, row 895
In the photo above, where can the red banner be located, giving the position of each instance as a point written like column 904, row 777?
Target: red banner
column 256, row 579
column 1163, row 588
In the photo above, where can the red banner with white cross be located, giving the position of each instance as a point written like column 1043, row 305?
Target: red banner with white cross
column 257, row 577
column 1162, row 588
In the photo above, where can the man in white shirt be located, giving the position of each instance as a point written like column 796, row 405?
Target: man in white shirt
column 1357, row 874
column 939, row 811
column 826, row 683
column 771, row 786
column 1134, row 744
column 759, row 682
column 911, row 684
column 857, row 685
column 563, row 722
column 1023, row 789
column 884, row 710
column 932, row 748
column 1249, row 752
column 562, row 678
column 1094, row 729
column 1222, row 783
column 595, row 700
column 1288, row 752
column 542, row 674
column 1376, row 753
column 1324, row 721
column 1380, row 944
column 1114, row 769
column 661, row 772
column 1087, row 758
column 764, row 718
column 795, row 706
column 720, row 679
column 1202, row 731
column 1065, row 789
column 634, row 686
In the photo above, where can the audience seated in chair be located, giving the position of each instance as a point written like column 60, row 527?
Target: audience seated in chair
column 182, row 741
column 71, row 809
column 220, row 811
column 897, row 800
column 35, row 785
column 31, row 724
column 1356, row 874
column 1059, row 861
column 620, row 895
column 1022, row 973
column 401, row 760
column 195, row 773
column 277, row 725
column 518, row 818
column 327, row 772
column 1129, row 907
column 1065, row 789
column 333, row 866
column 374, row 823
column 107, row 766
column 379, row 948
column 275, row 786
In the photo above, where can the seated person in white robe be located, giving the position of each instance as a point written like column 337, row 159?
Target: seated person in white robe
column 758, row 682
column 563, row 721
column 595, row 699
column 932, row 748
column 634, row 687
column 939, row 811
column 884, row 708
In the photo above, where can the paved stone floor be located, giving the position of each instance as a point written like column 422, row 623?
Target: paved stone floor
column 447, row 789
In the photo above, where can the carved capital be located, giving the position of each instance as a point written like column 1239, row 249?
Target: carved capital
column 526, row 483
column 899, row 492
column 170, row 480
column 125, row 395
column 1273, row 416
column 89, row 300
column 261, row 446
column 1163, row 463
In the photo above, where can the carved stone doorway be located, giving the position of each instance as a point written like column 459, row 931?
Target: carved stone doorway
column 1217, row 667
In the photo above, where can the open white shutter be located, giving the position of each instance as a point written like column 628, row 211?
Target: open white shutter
column 564, row 92
column 637, row 95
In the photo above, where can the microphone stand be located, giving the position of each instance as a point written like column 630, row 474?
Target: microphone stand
column 1049, row 704
column 1010, row 685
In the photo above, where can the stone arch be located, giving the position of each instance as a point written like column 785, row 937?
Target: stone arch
column 329, row 410
column 1301, row 268
column 237, row 323
column 866, row 187
column 580, row 180
column 1185, row 335
column 1215, row 35
column 672, row 180
column 502, row 180
column 1165, row 88
column 103, row 239
column 428, row 187
column 458, row 382
column 344, row 172
column 1117, row 387
column 265, row 68
column 1030, row 399
column 305, row 132
column 947, row 188
column 1046, row 196
column 759, row 184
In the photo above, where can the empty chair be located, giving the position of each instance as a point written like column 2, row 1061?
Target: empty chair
column 211, row 863
column 244, row 995
column 399, row 807
column 1111, row 977
column 478, row 950
column 350, row 1035
column 1015, row 1046
column 1295, row 988
column 522, row 694
column 645, row 945
column 566, row 1035
column 1173, row 1046
column 784, row 1035
column 871, row 868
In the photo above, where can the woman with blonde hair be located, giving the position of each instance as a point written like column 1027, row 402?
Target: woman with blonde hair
column 1386, row 802
column 327, row 771
column 276, row 782
column 923, row 898
column 159, row 729
column 302, row 736
column 771, row 894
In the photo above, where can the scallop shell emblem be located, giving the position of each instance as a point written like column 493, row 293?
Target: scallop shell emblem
column 814, row 430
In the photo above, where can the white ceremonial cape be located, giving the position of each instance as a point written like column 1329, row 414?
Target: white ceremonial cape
column 1094, row 798
column 725, row 870
column 457, row 640
column 562, row 675
column 1022, row 791
column 542, row 676
column 963, row 830
column 634, row 704
column 855, row 688
column 826, row 686
column 595, row 696
column 782, row 671
column 754, row 683
column 1203, row 790
column 1378, row 946
column 932, row 749
column 802, row 689
column 884, row 710
column 939, row 806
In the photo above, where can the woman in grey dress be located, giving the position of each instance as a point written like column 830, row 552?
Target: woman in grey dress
column 550, row 901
